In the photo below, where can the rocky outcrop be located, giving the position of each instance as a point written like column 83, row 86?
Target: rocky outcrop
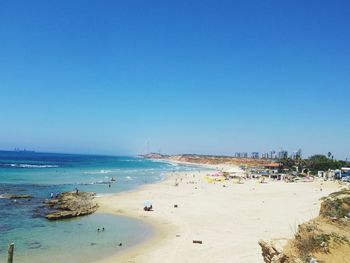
column 323, row 239
column 272, row 251
column 71, row 204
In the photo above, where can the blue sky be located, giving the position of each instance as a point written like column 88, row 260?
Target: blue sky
column 211, row 77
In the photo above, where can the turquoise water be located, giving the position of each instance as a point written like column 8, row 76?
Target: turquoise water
column 77, row 240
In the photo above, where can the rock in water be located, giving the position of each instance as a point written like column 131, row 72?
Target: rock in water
column 16, row 196
column 72, row 204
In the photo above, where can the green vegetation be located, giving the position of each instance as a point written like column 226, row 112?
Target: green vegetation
column 336, row 204
column 315, row 239
column 322, row 163
column 313, row 164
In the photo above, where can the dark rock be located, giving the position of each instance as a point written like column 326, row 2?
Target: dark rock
column 72, row 204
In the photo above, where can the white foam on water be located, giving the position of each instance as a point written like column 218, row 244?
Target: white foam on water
column 25, row 165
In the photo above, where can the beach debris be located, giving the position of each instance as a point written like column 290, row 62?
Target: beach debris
column 71, row 204
column 197, row 242
column 175, row 206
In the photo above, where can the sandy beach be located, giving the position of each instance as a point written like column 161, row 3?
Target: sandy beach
column 228, row 220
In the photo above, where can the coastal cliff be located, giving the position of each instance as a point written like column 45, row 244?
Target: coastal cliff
column 72, row 204
column 325, row 238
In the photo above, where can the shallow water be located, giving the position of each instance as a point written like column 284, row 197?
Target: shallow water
column 77, row 240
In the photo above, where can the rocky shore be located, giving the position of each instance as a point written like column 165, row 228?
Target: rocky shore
column 71, row 204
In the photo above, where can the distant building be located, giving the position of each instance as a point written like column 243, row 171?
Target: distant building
column 255, row 155
column 282, row 154
column 265, row 155
column 272, row 155
column 293, row 155
column 241, row 155
column 297, row 154
column 345, row 171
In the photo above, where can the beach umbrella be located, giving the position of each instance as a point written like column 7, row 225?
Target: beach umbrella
column 147, row 203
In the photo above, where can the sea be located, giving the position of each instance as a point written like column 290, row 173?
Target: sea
column 75, row 240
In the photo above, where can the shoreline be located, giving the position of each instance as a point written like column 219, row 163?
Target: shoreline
column 176, row 228
column 159, row 232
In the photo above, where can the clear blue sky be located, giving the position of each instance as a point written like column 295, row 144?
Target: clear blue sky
column 210, row 77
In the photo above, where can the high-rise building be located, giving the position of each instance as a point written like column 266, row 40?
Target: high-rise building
column 255, row 155
column 282, row 154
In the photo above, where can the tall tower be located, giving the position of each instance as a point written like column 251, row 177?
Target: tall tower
column 147, row 147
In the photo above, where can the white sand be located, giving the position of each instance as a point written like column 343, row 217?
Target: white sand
column 229, row 220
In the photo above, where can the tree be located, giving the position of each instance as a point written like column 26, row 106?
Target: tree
column 322, row 163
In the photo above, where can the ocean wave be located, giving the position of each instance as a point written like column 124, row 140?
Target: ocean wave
column 173, row 164
column 25, row 165
column 100, row 172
